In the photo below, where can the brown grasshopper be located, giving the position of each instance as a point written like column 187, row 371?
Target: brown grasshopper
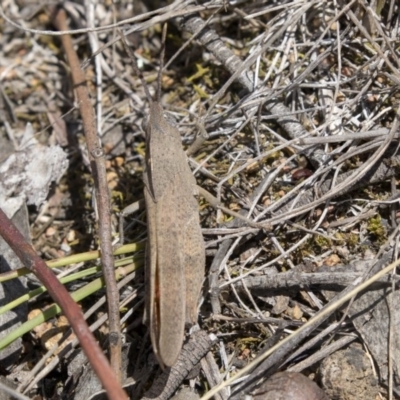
column 175, row 253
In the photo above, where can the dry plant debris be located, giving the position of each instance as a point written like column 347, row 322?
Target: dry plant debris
column 299, row 102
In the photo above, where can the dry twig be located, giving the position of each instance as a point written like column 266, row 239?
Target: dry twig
column 97, row 163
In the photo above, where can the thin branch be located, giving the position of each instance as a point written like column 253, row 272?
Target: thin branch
column 97, row 163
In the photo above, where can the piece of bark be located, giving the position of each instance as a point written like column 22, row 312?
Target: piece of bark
column 25, row 178
column 372, row 318
column 370, row 313
column 16, row 287
column 192, row 352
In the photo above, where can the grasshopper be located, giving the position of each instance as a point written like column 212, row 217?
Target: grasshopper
column 175, row 252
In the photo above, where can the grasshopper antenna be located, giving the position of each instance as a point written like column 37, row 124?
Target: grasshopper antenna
column 131, row 55
column 159, row 77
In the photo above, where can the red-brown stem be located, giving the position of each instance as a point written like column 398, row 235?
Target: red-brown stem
column 71, row 310
column 97, row 163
